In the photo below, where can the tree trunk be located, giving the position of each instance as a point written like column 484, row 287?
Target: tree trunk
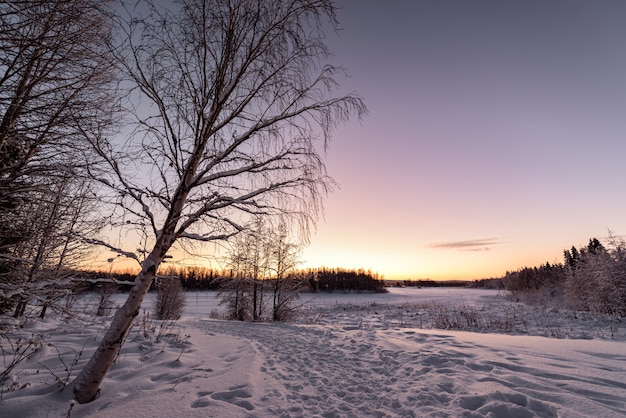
column 275, row 301
column 87, row 384
column 42, row 315
column 20, row 308
column 255, row 314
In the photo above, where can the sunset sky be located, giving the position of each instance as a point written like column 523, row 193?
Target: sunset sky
column 496, row 136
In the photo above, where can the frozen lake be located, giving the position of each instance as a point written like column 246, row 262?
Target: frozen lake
column 204, row 302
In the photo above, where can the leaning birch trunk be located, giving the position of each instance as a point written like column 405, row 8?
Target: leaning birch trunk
column 87, row 384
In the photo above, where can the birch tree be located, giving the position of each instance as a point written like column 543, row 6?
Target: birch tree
column 54, row 221
column 233, row 103
column 283, row 262
column 55, row 79
column 54, row 75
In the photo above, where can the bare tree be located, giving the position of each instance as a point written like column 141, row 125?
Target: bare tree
column 54, row 75
column 233, row 102
column 248, row 261
column 54, row 221
column 284, row 258
column 54, row 83
column 262, row 260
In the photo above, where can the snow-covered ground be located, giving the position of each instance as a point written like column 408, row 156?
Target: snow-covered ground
column 344, row 356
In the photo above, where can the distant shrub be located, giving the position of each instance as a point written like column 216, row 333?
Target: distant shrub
column 457, row 318
column 170, row 300
column 236, row 295
column 105, row 301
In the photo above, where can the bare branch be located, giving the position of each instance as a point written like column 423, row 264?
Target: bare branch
column 119, row 251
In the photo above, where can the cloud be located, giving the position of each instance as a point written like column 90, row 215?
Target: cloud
column 470, row 245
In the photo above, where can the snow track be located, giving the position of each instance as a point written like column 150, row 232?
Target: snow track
column 345, row 372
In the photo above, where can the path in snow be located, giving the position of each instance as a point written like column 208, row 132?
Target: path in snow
column 336, row 372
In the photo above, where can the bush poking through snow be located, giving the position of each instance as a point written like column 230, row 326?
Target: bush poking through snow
column 105, row 303
column 63, row 378
column 15, row 349
column 236, row 296
column 170, row 300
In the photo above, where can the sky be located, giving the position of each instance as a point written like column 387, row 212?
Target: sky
column 495, row 139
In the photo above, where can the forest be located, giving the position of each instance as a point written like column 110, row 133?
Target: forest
column 591, row 278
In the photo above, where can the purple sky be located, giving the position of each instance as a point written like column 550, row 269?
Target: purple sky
column 496, row 136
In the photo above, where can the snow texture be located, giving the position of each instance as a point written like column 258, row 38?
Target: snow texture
column 347, row 356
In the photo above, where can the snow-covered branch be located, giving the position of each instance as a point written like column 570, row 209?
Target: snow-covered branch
column 117, row 250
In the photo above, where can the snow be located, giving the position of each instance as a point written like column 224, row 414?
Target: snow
column 344, row 356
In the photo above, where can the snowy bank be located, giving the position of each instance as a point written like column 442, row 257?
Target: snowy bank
column 356, row 359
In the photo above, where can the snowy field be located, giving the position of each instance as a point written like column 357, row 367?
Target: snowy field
column 343, row 356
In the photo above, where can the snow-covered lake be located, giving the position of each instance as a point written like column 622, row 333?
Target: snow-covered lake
column 199, row 303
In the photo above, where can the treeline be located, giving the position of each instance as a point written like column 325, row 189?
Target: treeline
column 197, row 278
column 201, row 278
column 313, row 280
column 344, row 280
column 591, row 278
column 430, row 283
column 494, row 283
